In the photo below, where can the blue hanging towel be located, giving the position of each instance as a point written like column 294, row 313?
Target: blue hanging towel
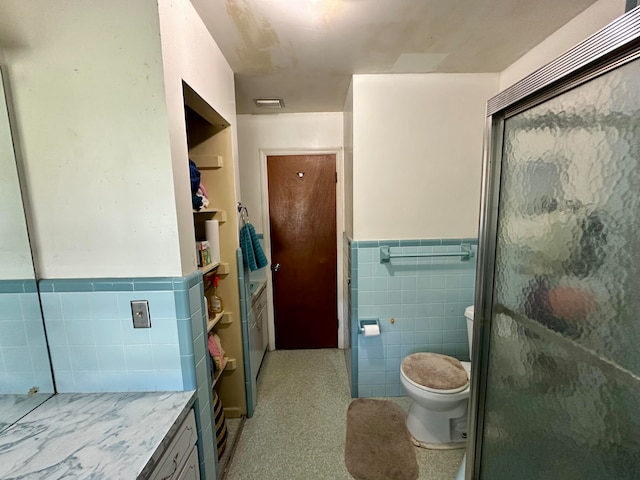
column 252, row 252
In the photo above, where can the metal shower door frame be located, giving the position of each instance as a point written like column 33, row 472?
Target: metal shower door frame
column 613, row 46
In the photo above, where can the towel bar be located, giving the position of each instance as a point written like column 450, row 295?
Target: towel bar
column 465, row 254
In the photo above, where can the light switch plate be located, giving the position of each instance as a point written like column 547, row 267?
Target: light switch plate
column 140, row 314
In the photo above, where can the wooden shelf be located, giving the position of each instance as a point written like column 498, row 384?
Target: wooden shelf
column 227, row 319
column 207, row 161
column 216, row 378
column 207, row 268
column 220, row 214
column 229, row 366
column 223, row 268
column 222, row 318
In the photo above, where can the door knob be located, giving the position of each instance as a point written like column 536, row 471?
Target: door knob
column 276, row 267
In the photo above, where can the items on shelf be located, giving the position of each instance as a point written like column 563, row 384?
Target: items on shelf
column 221, row 424
column 212, row 234
column 217, row 353
column 215, row 302
column 199, row 197
column 204, row 253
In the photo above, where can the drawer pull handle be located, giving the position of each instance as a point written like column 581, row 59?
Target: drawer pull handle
column 175, row 467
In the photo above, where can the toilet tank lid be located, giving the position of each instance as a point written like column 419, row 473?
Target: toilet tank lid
column 468, row 312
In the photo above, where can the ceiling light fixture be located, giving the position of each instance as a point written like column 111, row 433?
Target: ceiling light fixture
column 269, row 102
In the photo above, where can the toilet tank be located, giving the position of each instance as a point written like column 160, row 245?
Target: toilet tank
column 468, row 312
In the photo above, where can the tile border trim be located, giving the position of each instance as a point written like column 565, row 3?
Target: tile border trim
column 424, row 242
column 77, row 285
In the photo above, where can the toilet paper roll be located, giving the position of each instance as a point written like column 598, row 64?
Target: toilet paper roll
column 212, row 232
column 371, row 330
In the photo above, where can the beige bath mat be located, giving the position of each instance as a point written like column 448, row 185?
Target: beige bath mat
column 378, row 445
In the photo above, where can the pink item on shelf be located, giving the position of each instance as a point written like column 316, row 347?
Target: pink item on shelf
column 203, row 190
column 216, row 351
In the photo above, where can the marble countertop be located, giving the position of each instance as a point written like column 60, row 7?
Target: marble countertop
column 97, row 436
column 13, row 407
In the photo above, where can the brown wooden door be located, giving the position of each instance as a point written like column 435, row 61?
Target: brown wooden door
column 302, row 217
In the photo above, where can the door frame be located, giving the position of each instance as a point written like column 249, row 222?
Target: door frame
column 264, row 183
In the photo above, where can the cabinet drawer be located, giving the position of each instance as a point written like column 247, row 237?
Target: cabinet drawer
column 191, row 470
column 260, row 302
column 178, row 451
column 255, row 339
column 265, row 332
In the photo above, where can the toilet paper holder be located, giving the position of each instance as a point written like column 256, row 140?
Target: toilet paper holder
column 367, row 321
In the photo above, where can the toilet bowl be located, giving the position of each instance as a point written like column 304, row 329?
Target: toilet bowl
column 437, row 417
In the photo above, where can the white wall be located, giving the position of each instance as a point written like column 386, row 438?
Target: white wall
column 15, row 256
column 348, row 162
column 582, row 26
column 261, row 135
column 190, row 54
column 101, row 126
column 87, row 85
column 280, row 132
column 417, row 154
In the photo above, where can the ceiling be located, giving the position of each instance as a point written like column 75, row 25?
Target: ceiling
column 305, row 51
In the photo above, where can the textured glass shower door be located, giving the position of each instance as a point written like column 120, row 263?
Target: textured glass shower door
column 562, row 398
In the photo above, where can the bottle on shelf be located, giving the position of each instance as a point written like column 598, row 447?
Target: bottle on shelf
column 215, row 302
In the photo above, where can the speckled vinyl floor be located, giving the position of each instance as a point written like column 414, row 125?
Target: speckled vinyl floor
column 298, row 428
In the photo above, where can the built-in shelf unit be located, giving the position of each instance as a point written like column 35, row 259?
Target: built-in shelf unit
column 209, row 140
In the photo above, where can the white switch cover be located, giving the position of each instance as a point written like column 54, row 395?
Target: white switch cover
column 140, row 314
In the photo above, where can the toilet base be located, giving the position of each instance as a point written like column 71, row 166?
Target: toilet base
column 439, row 446
column 438, row 429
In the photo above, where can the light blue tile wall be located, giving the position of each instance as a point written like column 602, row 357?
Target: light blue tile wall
column 24, row 361
column 426, row 297
column 192, row 333
column 94, row 347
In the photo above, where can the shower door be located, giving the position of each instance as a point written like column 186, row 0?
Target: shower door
column 557, row 346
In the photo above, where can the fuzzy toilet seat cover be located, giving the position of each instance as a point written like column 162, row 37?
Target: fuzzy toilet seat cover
column 432, row 370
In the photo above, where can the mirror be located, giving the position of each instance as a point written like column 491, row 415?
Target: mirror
column 25, row 371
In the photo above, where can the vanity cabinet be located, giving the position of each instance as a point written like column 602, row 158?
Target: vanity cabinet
column 258, row 335
column 119, row 435
column 180, row 460
column 191, row 470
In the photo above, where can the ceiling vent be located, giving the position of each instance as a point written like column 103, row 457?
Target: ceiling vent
column 269, row 102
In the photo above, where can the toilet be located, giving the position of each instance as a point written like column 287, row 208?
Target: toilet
column 438, row 386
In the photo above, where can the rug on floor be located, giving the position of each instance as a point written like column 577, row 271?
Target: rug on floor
column 378, row 445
